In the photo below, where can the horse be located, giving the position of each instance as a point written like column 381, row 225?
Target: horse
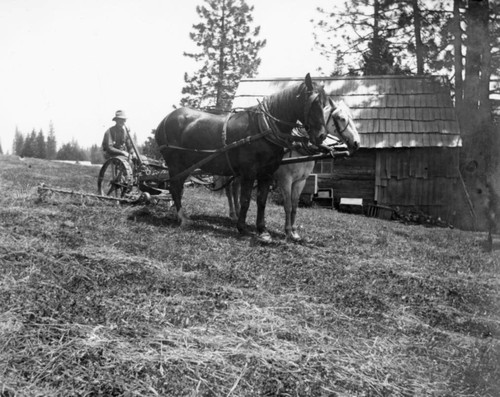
column 291, row 178
column 249, row 143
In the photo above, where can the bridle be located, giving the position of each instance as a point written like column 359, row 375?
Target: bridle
column 336, row 122
column 312, row 96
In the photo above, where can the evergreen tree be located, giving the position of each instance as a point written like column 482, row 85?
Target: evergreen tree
column 96, row 156
column 51, row 143
column 29, row 147
column 41, row 146
column 1, row 150
column 71, row 151
column 378, row 58
column 150, row 147
column 18, row 144
column 383, row 36
column 228, row 51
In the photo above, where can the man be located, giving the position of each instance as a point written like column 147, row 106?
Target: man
column 116, row 140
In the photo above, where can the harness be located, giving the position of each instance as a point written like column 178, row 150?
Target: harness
column 224, row 141
column 267, row 124
column 336, row 122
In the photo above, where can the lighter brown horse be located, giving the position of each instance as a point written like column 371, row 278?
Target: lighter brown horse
column 291, row 178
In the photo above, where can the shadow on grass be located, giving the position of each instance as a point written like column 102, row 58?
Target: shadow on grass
column 217, row 225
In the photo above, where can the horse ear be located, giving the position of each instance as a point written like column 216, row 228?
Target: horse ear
column 308, row 81
column 332, row 104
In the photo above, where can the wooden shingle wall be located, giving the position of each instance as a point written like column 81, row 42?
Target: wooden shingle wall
column 416, row 177
column 399, row 111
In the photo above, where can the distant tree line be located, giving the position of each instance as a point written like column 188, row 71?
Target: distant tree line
column 37, row 145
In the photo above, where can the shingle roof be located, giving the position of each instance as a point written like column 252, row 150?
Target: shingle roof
column 389, row 111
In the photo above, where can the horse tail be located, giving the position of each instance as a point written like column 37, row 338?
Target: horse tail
column 161, row 137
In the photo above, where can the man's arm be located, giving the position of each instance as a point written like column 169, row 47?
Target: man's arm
column 107, row 146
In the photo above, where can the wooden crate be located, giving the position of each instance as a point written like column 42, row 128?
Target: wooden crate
column 380, row 211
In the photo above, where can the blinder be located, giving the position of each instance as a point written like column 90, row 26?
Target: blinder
column 312, row 97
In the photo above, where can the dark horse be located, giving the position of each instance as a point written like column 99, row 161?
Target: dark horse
column 248, row 143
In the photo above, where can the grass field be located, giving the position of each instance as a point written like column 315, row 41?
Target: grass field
column 98, row 299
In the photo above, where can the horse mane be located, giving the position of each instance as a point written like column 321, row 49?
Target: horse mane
column 283, row 104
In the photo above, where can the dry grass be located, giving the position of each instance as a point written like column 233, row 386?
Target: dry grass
column 99, row 299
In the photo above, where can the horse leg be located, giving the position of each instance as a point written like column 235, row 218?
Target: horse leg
column 176, row 190
column 262, row 192
column 297, row 188
column 230, row 200
column 245, row 197
column 286, row 191
column 233, row 198
column 236, row 190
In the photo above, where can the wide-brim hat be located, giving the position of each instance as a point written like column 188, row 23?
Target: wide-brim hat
column 120, row 114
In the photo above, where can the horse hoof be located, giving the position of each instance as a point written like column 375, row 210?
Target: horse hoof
column 294, row 237
column 244, row 234
column 264, row 237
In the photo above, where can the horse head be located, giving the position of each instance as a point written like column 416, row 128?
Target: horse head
column 313, row 118
column 339, row 123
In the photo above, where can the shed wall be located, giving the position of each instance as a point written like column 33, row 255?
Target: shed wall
column 349, row 177
column 426, row 179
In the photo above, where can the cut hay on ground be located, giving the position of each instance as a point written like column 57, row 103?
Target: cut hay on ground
column 99, row 299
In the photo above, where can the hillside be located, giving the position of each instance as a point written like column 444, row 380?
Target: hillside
column 98, row 299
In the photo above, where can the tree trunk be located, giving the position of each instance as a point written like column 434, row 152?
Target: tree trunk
column 419, row 48
column 457, row 44
column 477, row 35
column 484, row 83
column 219, row 103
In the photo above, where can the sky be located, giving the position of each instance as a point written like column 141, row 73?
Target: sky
column 75, row 62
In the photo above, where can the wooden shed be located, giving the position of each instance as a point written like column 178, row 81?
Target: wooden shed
column 410, row 141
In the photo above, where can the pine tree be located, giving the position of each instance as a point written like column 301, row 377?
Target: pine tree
column 71, row 151
column 29, row 147
column 383, row 36
column 96, row 156
column 51, row 143
column 41, row 146
column 228, row 51
column 18, row 144
column 150, row 147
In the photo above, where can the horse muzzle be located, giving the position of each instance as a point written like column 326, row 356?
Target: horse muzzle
column 353, row 147
column 319, row 137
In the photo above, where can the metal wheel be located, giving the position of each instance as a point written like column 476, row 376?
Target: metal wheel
column 115, row 178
